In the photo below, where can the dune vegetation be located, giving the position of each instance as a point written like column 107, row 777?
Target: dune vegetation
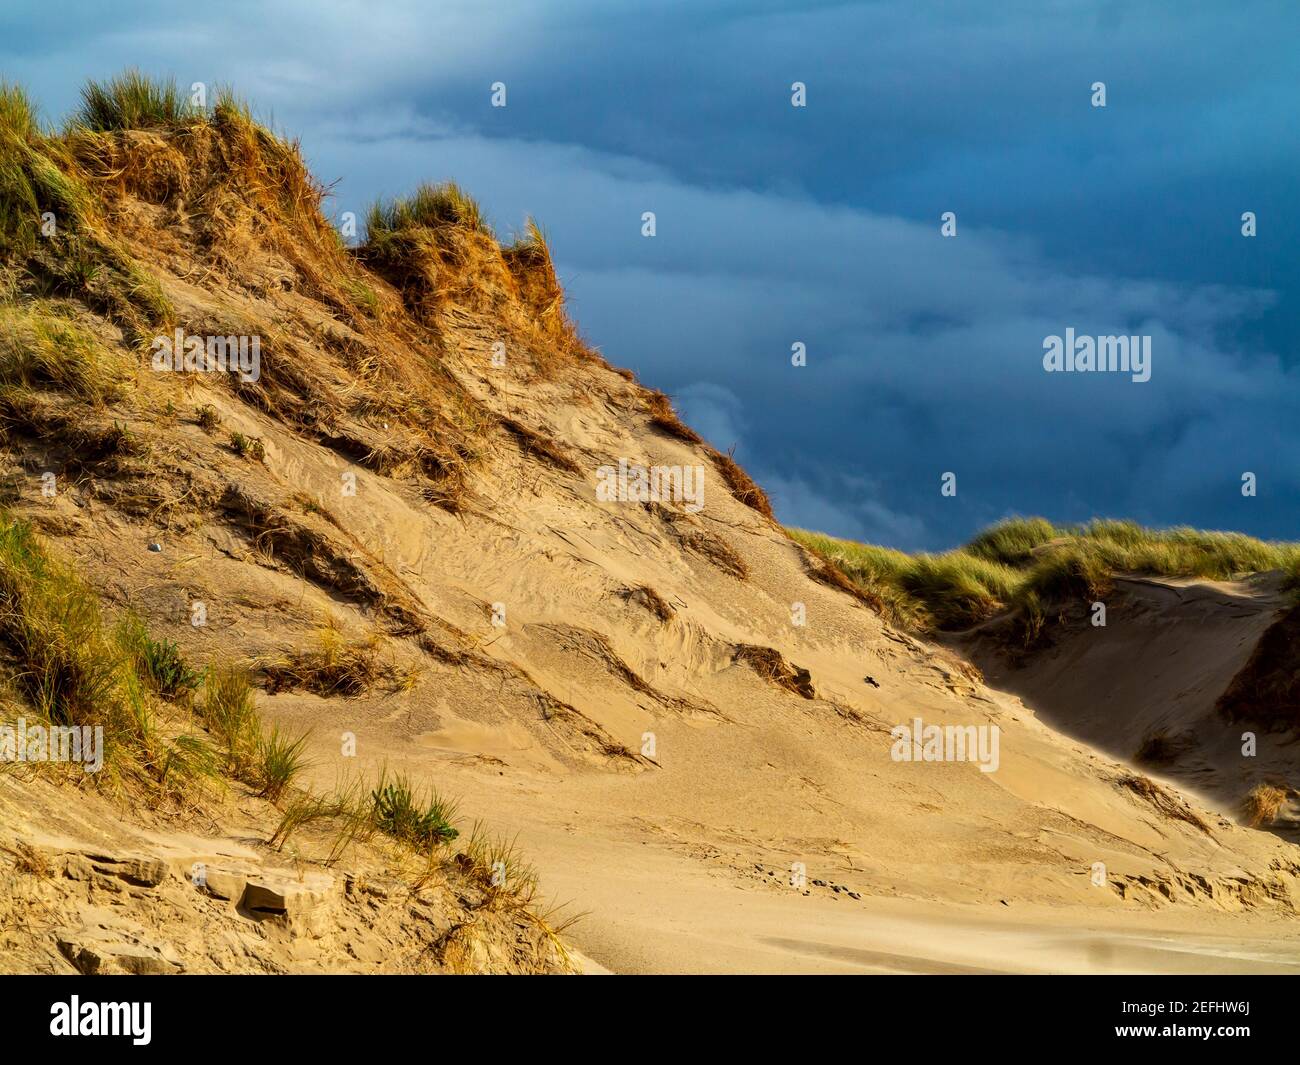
column 90, row 212
column 1028, row 566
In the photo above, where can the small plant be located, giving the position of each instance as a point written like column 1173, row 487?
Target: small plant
column 229, row 713
column 248, row 446
column 158, row 663
column 280, row 760
column 403, row 814
column 208, row 417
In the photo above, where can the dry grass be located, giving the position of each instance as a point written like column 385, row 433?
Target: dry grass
column 686, row 531
column 740, row 484
column 41, row 346
column 530, row 264
column 339, row 665
column 651, row 600
column 769, row 664
column 664, row 417
column 716, row 550
column 28, row 860
column 1165, row 801
column 1160, row 748
column 531, row 442
column 1262, row 805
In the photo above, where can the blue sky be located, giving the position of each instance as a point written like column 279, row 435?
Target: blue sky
column 822, row 224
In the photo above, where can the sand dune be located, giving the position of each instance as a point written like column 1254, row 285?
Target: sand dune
column 690, row 733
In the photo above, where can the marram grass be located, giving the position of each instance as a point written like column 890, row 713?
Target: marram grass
column 1023, row 563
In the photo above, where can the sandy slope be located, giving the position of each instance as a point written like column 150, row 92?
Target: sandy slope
column 1169, row 649
column 677, row 859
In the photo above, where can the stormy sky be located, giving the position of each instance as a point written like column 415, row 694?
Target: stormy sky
column 821, row 224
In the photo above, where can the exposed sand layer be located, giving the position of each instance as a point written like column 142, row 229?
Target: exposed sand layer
column 86, row 887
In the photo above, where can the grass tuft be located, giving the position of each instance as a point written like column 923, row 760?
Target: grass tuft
column 430, row 206
column 421, row 820
column 337, row 665
column 132, row 100
column 158, row 663
column 1262, row 805
column 248, row 447
column 280, row 761
column 41, row 348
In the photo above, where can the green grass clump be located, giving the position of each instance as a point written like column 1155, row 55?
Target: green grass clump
column 74, row 670
column 229, row 712
column 31, row 181
column 1025, row 565
column 159, row 663
column 42, row 349
column 267, row 759
column 420, row 820
column 17, row 112
column 429, row 206
column 1013, row 542
column 280, row 761
column 248, row 447
column 132, row 100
